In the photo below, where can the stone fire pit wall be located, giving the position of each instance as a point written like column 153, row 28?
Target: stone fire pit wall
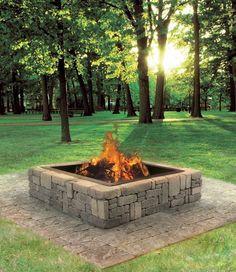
column 108, row 206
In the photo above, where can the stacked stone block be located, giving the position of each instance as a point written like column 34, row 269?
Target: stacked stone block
column 109, row 206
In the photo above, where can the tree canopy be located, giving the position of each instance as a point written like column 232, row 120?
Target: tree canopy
column 96, row 55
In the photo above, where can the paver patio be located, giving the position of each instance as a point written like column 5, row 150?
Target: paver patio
column 105, row 248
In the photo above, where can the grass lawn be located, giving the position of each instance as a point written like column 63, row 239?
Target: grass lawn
column 23, row 251
column 207, row 145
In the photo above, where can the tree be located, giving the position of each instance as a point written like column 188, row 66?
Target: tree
column 87, row 109
column 117, row 104
column 65, row 131
column 2, row 106
column 129, row 101
column 161, row 21
column 90, row 83
column 232, row 58
column 46, row 107
column 135, row 12
column 196, row 107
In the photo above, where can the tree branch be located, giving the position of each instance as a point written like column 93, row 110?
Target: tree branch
column 150, row 17
column 109, row 4
column 129, row 15
column 173, row 8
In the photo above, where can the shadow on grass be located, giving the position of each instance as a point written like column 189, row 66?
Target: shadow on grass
column 229, row 126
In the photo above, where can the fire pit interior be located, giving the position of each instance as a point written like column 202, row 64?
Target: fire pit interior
column 114, row 189
column 154, row 171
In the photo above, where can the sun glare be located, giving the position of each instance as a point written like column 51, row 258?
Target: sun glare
column 173, row 58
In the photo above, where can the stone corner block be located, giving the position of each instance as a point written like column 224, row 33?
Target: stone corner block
column 196, row 174
column 82, row 186
column 37, row 171
column 100, row 208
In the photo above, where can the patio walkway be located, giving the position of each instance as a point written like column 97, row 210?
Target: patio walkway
column 105, row 248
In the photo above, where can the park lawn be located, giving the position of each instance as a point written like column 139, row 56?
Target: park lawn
column 104, row 116
column 207, row 145
column 23, row 251
column 37, row 118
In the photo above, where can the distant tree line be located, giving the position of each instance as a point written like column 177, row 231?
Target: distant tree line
column 84, row 54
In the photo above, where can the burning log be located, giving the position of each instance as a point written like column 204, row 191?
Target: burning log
column 112, row 165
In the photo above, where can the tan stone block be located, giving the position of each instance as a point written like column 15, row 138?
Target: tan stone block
column 36, row 180
column 196, row 190
column 165, row 192
column 182, row 182
column 102, row 206
column 37, row 171
column 82, row 186
column 196, row 175
column 69, row 190
column 174, row 185
column 125, row 200
column 136, row 187
column 94, row 207
column 188, row 181
column 104, row 192
column 137, row 210
column 46, row 180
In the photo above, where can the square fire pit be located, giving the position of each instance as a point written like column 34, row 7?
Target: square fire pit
column 106, row 205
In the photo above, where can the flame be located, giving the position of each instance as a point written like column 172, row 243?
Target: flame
column 113, row 165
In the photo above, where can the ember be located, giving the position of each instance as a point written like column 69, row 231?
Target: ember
column 112, row 165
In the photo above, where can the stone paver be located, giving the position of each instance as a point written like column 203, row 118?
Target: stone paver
column 109, row 247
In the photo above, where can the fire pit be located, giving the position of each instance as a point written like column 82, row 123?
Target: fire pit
column 107, row 198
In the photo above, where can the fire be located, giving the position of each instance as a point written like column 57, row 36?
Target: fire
column 112, row 165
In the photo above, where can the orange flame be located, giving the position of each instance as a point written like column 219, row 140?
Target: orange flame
column 114, row 165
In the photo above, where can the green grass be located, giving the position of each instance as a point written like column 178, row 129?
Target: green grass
column 36, row 118
column 207, row 145
column 23, row 251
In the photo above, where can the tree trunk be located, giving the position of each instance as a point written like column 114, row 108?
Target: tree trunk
column 220, row 102
column 16, row 100
column 87, row 111
column 8, row 102
column 158, row 112
column 232, row 90
column 51, row 87
column 100, row 95
column 90, row 86
column 65, row 130
column 130, row 107
column 205, row 103
column 22, row 106
column 2, row 107
column 76, row 104
column 117, row 105
column 234, row 79
column 69, row 102
column 196, row 108
column 108, row 103
column 76, row 101
column 144, row 104
column 103, row 101
column 46, row 107
column 233, row 55
column 189, row 101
